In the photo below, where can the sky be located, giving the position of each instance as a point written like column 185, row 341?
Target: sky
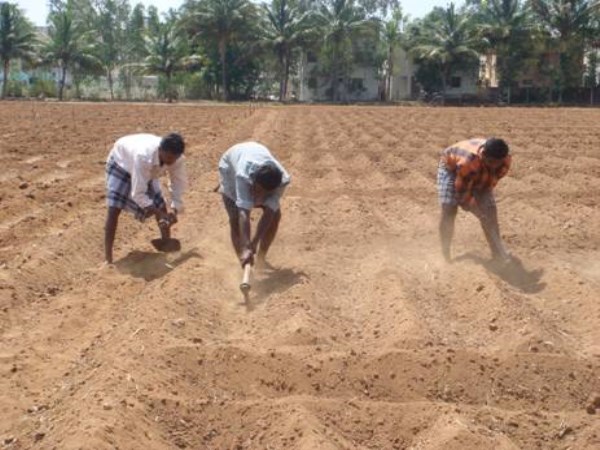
column 37, row 10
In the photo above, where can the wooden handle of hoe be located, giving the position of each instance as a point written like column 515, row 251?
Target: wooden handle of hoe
column 245, row 284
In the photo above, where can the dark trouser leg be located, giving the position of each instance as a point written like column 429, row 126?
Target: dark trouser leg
column 269, row 237
column 110, row 230
column 447, row 228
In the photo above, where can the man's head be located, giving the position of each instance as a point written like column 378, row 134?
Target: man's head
column 494, row 152
column 266, row 179
column 171, row 148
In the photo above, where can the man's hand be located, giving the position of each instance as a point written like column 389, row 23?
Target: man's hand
column 150, row 211
column 247, row 257
column 467, row 201
column 172, row 217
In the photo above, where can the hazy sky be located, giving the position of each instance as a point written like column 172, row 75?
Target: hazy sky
column 37, row 10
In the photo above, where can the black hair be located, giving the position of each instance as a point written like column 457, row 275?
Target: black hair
column 268, row 176
column 495, row 148
column 173, row 143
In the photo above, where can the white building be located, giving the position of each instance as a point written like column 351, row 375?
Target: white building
column 363, row 84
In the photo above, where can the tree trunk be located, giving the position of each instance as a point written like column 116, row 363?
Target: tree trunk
column 6, row 67
column 169, row 93
column 506, row 80
column 61, row 86
column 286, row 76
column 560, row 95
column 334, row 82
column 128, row 83
column 281, row 57
column 444, row 81
column 223, row 54
column 77, row 83
column 388, row 88
column 110, row 84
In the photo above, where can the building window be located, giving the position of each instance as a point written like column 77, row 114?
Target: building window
column 311, row 57
column 455, row 82
column 312, row 83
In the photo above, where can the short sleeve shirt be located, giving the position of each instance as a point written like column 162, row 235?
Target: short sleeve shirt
column 236, row 169
column 464, row 160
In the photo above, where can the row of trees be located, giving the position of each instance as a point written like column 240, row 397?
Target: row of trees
column 225, row 48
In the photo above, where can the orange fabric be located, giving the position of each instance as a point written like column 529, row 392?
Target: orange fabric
column 464, row 159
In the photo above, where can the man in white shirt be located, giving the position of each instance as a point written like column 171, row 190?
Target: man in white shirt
column 251, row 177
column 133, row 168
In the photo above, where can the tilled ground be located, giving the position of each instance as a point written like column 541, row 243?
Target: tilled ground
column 363, row 337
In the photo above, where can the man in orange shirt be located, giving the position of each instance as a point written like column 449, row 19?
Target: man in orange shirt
column 468, row 172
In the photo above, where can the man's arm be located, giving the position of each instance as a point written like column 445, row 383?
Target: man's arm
column 503, row 170
column 177, row 184
column 247, row 256
column 110, row 229
column 140, row 177
column 263, row 225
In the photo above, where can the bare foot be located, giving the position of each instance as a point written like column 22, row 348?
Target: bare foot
column 263, row 266
column 503, row 260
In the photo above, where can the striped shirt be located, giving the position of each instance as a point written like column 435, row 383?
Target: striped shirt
column 464, row 159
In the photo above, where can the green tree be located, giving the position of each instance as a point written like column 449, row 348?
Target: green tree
column 134, row 47
column 68, row 45
column 340, row 22
column 153, row 20
column 110, row 20
column 136, row 33
column 392, row 38
column 168, row 54
column 286, row 29
column 507, row 27
column 219, row 21
column 591, row 73
column 447, row 41
column 568, row 25
column 17, row 39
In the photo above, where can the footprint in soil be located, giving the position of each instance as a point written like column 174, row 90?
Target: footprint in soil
column 151, row 266
column 274, row 281
column 514, row 273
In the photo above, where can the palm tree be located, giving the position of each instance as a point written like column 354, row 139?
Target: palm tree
column 448, row 43
column 569, row 23
column 69, row 45
column 392, row 38
column 17, row 39
column 591, row 75
column 109, row 20
column 168, row 54
column 507, row 26
column 339, row 21
column 220, row 21
column 286, row 29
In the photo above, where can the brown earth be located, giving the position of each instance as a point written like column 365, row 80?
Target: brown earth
column 363, row 337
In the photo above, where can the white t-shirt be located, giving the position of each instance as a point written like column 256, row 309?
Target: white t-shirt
column 137, row 154
column 236, row 168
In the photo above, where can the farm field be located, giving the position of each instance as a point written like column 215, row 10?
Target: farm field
column 364, row 338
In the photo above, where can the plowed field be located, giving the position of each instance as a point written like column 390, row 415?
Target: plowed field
column 362, row 338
